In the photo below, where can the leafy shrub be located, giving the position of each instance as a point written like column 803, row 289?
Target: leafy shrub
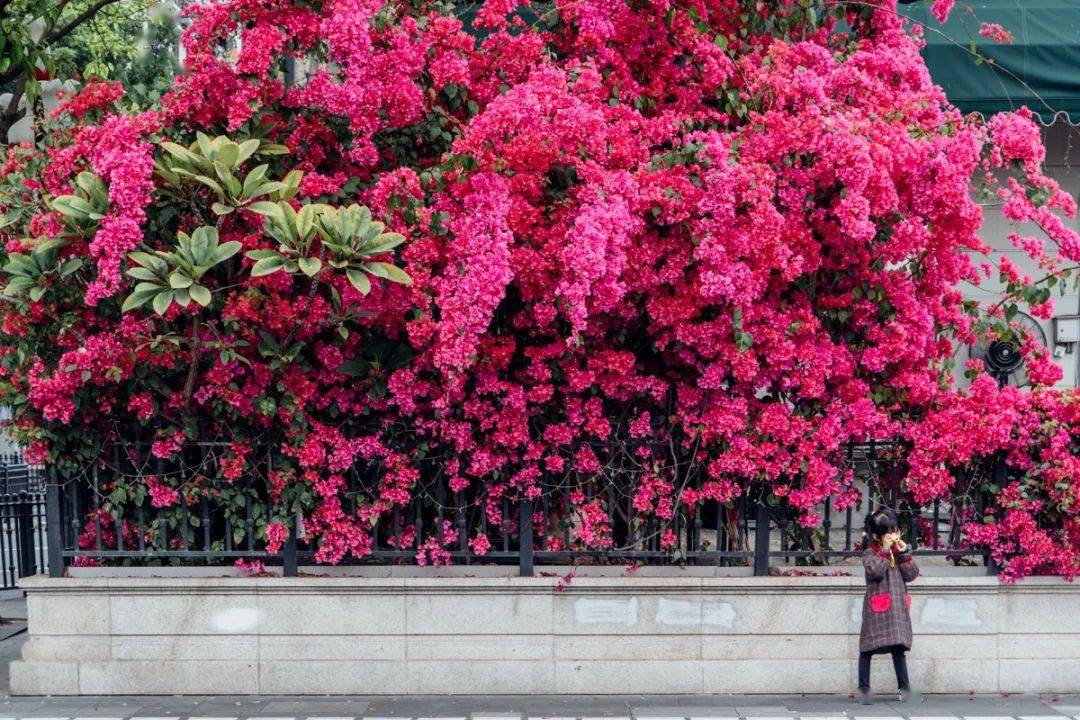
column 716, row 240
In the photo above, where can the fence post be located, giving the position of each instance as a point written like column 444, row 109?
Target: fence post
column 525, row 535
column 1000, row 477
column 762, row 532
column 24, row 524
column 54, row 533
column 288, row 562
column 290, row 71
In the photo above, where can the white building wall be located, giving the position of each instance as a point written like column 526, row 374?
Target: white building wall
column 1063, row 154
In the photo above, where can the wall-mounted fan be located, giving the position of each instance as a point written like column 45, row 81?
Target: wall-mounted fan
column 1002, row 358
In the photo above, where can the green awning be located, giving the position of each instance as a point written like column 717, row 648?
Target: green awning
column 1040, row 69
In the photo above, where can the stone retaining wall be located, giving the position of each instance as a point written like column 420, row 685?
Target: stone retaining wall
column 508, row 635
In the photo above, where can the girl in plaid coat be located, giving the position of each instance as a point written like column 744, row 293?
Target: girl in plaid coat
column 886, row 618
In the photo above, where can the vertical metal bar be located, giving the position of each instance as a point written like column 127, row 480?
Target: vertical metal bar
column 695, row 545
column 397, row 528
column 24, row 523
column 52, row 524
column 418, row 504
column 827, row 523
column 76, row 515
column 163, row 521
column 185, row 516
column 463, row 529
column 288, row 561
column 250, row 521
column 784, row 523
column 847, row 529
column 7, row 563
column 39, row 530
column 525, row 535
column 743, row 526
column 545, row 510
column 97, row 509
column 206, row 524
column 567, row 517
column 440, row 499
column 289, row 71
column 936, row 541
column 761, row 537
column 505, row 524
column 1001, row 479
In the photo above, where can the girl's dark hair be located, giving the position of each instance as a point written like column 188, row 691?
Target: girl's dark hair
column 878, row 523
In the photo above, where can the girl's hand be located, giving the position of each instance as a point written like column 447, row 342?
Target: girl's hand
column 901, row 546
column 888, row 540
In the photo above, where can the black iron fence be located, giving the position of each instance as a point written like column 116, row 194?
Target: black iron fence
column 17, row 476
column 100, row 516
column 22, row 520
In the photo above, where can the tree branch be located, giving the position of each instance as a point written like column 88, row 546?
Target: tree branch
column 81, row 18
column 7, row 119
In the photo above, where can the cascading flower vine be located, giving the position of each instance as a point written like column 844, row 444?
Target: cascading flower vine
column 648, row 243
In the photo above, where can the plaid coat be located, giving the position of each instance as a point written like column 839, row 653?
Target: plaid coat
column 886, row 616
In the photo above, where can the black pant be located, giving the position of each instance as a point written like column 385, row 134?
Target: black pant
column 899, row 661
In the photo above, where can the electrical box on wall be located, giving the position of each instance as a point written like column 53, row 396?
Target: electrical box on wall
column 1067, row 329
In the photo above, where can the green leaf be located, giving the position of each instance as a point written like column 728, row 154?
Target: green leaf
column 151, row 262
column 180, row 153
column 200, row 295
column 228, row 153
column 141, row 273
column 220, row 209
column 246, row 149
column 209, row 182
column 162, row 302
column 355, row 367
column 225, row 175
column 204, row 240
column 92, row 185
column 266, row 209
column 305, row 220
column 71, row 265
column 143, row 292
column 267, row 266
column 310, row 266
column 19, row 264
column 269, row 148
column 72, row 206
column 388, row 272
column 179, row 280
column 206, row 145
column 386, row 242
column 226, row 250
column 359, row 280
column 16, row 286
column 254, row 180
column 292, row 184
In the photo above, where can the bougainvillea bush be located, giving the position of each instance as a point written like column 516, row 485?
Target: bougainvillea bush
column 528, row 246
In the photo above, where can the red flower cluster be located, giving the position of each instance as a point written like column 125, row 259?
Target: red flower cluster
column 641, row 235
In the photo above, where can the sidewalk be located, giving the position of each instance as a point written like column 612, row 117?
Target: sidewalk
column 629, row 707
column 508, row 707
